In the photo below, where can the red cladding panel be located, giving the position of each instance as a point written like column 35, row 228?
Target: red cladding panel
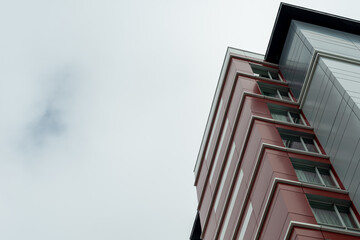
column 251, row 154
column 259, row 107
column 201, row 181
column 235, row 67
column 280, row 162
column 276, row 218
column 326, row 193
column 242, row 125
column 242, row 66
column 216, row 135
column 249, row 85
column 227, row 182
column 205, row 204
column 262, row 187
column 269, row 133
column 307, row 233
column 221, row 156
column 337, row 236
column 236, row 211
column 235, row 103
column 250, row 228
column 211, row 227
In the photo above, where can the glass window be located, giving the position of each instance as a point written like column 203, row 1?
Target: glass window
column 292, row 141
column 286, row 116
column 284, row 94
column 279, row 114
column 314, row 174
column 296, row 118
column 309, row 144
column 334, row 215
column 325, row 213
column 327, row 177
column 307, row 174
column 299, row 142
column 271, row 91
column 265, row 72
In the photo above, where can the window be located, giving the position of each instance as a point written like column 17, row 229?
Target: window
column 332, row 214
column 287, row 115
column 265, row 72
column 309, row 172
column 275, row 92
column 299, row 142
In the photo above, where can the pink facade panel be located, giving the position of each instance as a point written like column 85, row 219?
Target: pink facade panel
column 269, row 133
column 216, row 135
column 262, row 187
column 204, row 207
column 305, row 233
column 242, row 125
column 235, row 211
column 235, row 103
column 227, row 182
column 223, row 147
column 269, row 183
column 201, row 180
column 210, row 230
column 276, row 218
column 248, row 85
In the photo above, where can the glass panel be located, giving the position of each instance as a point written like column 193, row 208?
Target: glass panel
column 296, row 118
column 325, row 214
column 292, row 141
column 280, row 115
column 306, row 174
column 326, row 177
column 261, row 73
column 274, row 75
column 270, row 93
column 265, row 72
column 285, row 95
column 310, row 145
column 346, row 216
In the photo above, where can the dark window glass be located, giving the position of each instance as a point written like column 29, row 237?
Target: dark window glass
column 296, row 118
column 292, row 141
column 280, row 115
column 307, row 174
column 270, row 92
column 325, row 213
column 265, row 72
column 347, row 216
column 274, row 75
column 284, row 94
column 326, row 177
column 310, row 145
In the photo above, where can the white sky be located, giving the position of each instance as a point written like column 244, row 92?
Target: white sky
column 103, row 105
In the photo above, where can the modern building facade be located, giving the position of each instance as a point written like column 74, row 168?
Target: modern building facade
column 280, row 154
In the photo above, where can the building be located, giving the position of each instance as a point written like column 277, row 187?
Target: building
column 280, row 154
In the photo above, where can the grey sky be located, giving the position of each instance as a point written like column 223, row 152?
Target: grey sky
column 103, row 105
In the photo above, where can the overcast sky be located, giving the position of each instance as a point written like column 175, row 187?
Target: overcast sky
column 103, row 106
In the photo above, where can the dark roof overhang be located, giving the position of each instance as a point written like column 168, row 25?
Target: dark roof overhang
column 288, row 12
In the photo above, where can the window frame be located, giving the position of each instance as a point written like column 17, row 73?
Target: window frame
column 337, row 212
column 288, row 111
column 302, row 142
column 276, row 89
column 306, row 163
column 268, row 70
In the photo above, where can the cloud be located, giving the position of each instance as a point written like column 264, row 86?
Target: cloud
column 51, row 108
column 50, row 124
